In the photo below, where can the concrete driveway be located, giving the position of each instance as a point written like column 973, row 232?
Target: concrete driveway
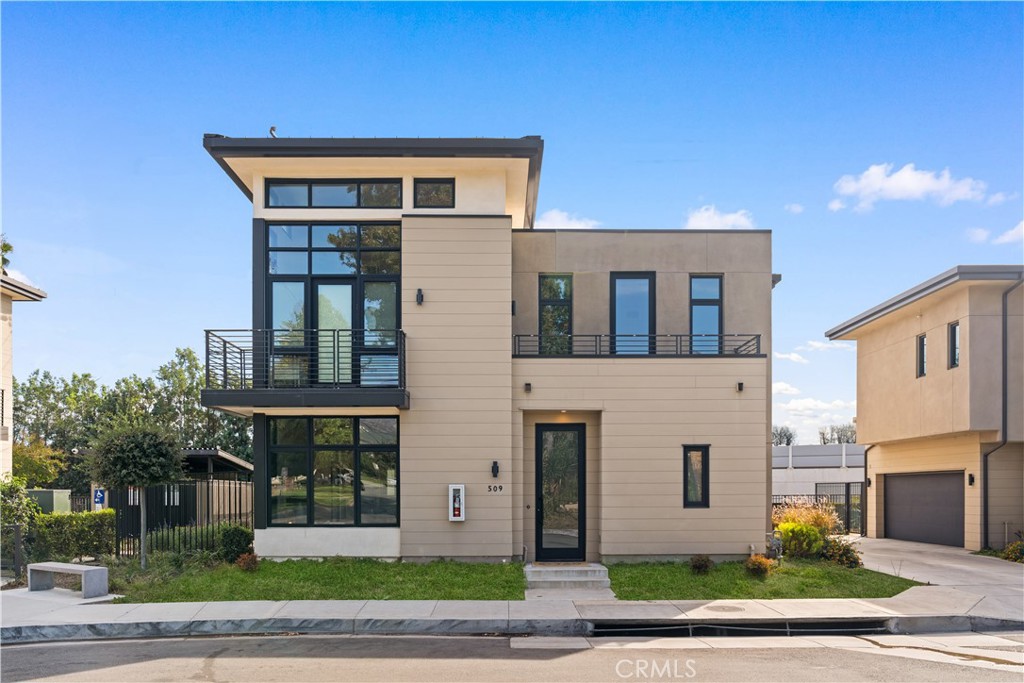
column 998, row 584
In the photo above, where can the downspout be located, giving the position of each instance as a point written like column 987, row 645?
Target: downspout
column 1005, row 416
column 864, row 494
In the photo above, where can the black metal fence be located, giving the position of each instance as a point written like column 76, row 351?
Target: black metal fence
column 847, row 499
column 12, row 551
column 669, row 345
column 81, row 503
column 184, row 516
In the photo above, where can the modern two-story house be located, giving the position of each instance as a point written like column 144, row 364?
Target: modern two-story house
column 429, row 375
column 940, row 408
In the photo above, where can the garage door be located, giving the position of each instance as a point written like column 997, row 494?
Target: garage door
column 926, row 507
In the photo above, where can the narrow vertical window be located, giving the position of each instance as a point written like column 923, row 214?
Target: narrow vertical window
column 555, row 306
column 954, row 344
column 922, row 355
column 695, row 476
column 633, row 314
column 706, row 314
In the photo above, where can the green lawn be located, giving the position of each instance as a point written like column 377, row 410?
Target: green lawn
column 331, row 579
column 729, row 580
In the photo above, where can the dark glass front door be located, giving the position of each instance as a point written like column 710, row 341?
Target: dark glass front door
column 561, row 492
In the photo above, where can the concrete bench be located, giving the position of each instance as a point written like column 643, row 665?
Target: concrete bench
column 94, row 579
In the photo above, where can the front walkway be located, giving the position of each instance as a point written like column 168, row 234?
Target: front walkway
column 1000, row 584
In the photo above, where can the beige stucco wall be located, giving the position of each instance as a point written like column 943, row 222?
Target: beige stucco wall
column 940, row 454
column 894, row 404
column 458, row 373
column 645, row 410
column 6, row 382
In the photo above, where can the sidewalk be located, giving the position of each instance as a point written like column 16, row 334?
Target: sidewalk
column 60, row 615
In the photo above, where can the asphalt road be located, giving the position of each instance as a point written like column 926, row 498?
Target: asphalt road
column 463, row 659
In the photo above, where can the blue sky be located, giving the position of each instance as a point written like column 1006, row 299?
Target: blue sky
column 801, row 118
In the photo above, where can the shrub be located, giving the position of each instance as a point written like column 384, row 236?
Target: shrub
column 1014, row 552
column 248, row 562
column 701, row 564
column 841, row 552
column 820, row 514
column 800, row 540
column 759, row 566
column 234, row 540
column 63, row 535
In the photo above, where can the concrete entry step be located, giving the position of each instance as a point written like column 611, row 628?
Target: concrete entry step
column 568, row 576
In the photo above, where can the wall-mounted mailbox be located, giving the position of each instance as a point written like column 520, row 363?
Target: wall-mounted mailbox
column 456, row 502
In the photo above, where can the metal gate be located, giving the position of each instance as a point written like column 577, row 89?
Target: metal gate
column 848, row 501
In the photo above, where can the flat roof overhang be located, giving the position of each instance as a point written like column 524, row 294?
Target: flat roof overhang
column 245, row 402
column 530, row 147
column 992, row 273
column 19, row 291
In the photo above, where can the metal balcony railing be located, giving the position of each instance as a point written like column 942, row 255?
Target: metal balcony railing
column 639, row 345
column 307, row 359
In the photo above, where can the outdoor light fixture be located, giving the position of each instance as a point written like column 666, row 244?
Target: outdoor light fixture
column 527, row 387
column 494, row 469
column 419, row 297
column 739, row 386
column 869, row 482
column 970, row 480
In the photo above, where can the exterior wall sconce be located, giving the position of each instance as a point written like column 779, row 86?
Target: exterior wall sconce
column 970, row 480
column 869, row 482
column 419, row 297
column 527, row 387
column 739, row 386
column 494, row 469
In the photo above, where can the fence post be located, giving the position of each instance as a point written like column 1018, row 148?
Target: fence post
column 19, row 560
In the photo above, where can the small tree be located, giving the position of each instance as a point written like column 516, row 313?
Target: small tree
column 136, row 455
column 16, row 508
column 783, row 436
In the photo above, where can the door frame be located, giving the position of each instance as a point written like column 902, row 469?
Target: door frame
column 578, row 554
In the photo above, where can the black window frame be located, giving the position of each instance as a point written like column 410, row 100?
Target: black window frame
column 705, row 464
column 953, row 341
column 542, row 349
column 921, row 346
column 719, row 302
column 310, row 182
column 652, row 308
column 433, row 181
column 356, row 448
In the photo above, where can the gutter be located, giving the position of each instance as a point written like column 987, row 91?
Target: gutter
column 1005, row 416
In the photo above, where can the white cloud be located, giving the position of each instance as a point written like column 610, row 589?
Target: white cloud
column 806, row 415
column 978, row 235
column 1000, row 197
column 556, row 218
column 709, row 218
column 794, row 208
column 795, row 357
column 814, row 345
column 784, row 389
column 20, row 277
column 1012, row 235
column 836, row 205
column 879, row 183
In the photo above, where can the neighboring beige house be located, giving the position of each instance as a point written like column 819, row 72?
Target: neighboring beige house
column 418, row 347
column 10, row 291
column 940, row 371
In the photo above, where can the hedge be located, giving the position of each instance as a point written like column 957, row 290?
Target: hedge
column 62, row 535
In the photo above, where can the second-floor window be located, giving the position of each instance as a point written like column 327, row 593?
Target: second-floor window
column 954, row 344
column 335, row 194
column 706, row 313
column 922, row 355
column 434, row 193
column 555, row 307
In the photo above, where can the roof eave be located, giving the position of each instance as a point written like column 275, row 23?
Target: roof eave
column 927, row 288
column 19, row 291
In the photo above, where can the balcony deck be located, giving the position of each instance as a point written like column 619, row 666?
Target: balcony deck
column 260, row 370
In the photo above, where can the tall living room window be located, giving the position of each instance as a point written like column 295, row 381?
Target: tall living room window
column 333, row 471
column 555, row 306
column 706, row 314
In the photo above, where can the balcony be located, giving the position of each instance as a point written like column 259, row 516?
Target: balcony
column 259, row 370
column 636, row 345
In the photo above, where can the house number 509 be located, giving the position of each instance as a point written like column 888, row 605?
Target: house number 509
column 494, row 488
